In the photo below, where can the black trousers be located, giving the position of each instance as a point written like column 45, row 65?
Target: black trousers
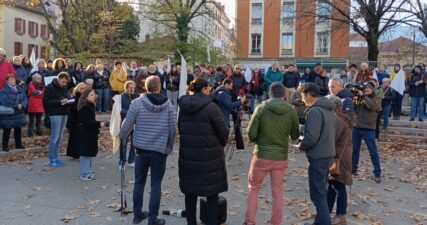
column 191, row 205
column 37, row 117
column 237, row 122
column 6, row 136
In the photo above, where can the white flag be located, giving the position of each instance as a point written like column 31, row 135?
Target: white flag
column 183, row 78
column 375, row 76
column 33, row 59
column 398, row 83
column 209, row 54
column 169, row 65
column 248, row 74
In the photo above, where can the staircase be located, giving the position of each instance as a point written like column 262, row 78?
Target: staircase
column 411, row 134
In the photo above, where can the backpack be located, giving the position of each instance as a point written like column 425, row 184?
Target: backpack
column 214, row 96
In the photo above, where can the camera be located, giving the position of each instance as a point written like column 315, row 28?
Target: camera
column 357, row 99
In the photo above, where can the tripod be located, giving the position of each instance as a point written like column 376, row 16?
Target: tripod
column 231, row 146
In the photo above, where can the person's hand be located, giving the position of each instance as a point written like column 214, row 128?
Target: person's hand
column 253, row 82
column 64, row 101
column 243, row 99
column 19, row 106
column 360, row 93
column 21, row 82
column 102, row 124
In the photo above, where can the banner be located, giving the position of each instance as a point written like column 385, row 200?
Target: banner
column 398, row 83
column 248, row 74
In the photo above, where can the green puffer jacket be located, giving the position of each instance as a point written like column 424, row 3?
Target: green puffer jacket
column 270, row 127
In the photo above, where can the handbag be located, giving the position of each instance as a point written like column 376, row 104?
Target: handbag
column 335, row 167
column 6, row 111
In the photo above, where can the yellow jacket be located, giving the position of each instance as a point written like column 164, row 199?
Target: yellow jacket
column 117, row 80
column 393, row 74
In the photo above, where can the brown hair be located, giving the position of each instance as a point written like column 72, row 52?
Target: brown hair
column 10, row 75
column 83, row 99
column 62, row 75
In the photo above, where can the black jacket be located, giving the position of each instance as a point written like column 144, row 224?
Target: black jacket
column 203, row 135
column 52, row 99
column 291, row 79
column 88, row 131
column 388, row 96
column 312, row 76
column 126, row 101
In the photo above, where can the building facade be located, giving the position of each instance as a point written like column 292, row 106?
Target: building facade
column 23, row 30
column 289, row 31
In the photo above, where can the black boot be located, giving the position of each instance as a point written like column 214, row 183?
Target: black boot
column 39, row 133
column 30, row 132
column 5, row 149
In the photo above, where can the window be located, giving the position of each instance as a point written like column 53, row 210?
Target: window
column 323, row 10
column 256, row 44
column 256, row 12
column 19, row 26
column 43, row 53
column 287, row 43
column 43, row 31
column 322, row 43
column 30, row 49
column 18, row 48
column 288, row 11
column 33, row 29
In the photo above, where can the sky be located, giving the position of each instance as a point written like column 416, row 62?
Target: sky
column 230, row 9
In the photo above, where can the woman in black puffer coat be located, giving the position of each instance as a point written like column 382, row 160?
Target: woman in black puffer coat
column 203, row 135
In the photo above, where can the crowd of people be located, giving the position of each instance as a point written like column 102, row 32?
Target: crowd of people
column 336, row 112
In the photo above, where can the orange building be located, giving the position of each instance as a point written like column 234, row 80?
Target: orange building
column 290, row 31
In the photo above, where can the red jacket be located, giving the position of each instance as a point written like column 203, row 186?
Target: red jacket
column 5, row 69
column 35, row 101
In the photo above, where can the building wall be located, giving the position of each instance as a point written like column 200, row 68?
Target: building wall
column 242, row 28
column 8, row 36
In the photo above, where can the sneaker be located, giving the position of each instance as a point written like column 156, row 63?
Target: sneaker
column 421, row 120
column 158, row 222
column 377, row 179
column 140, row 218
column 122, row 168
column 339, row 220
column 56, row 163
column 412, row 119
column 131, row 165
column 88, row 178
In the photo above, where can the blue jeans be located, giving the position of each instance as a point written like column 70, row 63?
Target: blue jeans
column 336, row 190
column 85, row 165
column 259, row 100
column 318, row 170
column 57, row 126
column 386, row 114
column 156, row 162
column 417, row 107
column 397, row 105
column 102, row 101
column 123, row 149
column 368, row 136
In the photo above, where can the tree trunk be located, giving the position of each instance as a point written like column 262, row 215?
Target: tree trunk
column 373, row 50
column 183, row 33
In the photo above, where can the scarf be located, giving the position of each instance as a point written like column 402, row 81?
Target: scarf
column 14, row 88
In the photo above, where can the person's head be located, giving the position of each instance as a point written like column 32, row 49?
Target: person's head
column 69, row 62
column 63, row 79
column 423, row 66
column 152, row 84
column 418, row 69
column 99, row 67
column 237, row 68
column 11, row 79
column 174, row 69
column 307, row 70
column 88, row 96
column 219, row 69
column 386, row 82
column 335, row 85
column 310, row 94
column 79, row 88
column 2, row 54
column 178, row 68
column 323, row 73
column 364, row 66
column 189, row 70
column 98, row 61
column 26, row 61
column 59, row 64
column 353, row 68
column 291, row 68
column 42, row 64
column 16, row 60
column 274, row 66
column 396, row 67
column 118, row 65
column 37, row 78
column 49, row 63
column 90, row 69
column 228, row 72
column 199, row 85
column 228, row 83
column 277, row 90
column 369, row 89
column 89, row 83
column 151, row 68
column 382, row 68
column 78, row 66
column 337, row 101
column 343, row 72
column 256, row 70
column 130, row 86
column 318, row 67
column 133, row 65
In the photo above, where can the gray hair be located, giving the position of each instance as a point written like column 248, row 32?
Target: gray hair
column 89, row 81
column 152, row 84
column 386, row 79
column 2, row 51
column 36, row 75
column 336, row 100
column 337, row 80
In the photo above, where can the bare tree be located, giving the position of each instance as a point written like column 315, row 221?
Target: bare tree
column 418, row 11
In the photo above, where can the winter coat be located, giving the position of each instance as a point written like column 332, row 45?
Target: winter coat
column 79, row 76
column 296, row 101
column 28, row 68
column 366, row 112
column 389, row 95
column 257, row 85
column 239, row 85
column 322, row 83
column 154, row 119
column 347, row 101
column 73, row 148
column 5, row 69
column 381, row 76
column 53, row 94
column 291, row 79
column 12, row 100
column 319, row 131
column 117, row 80
column 103, row 79
column 59, row 70
column 271, row 125
column 35, row 101
column 88, row 131
column 21, row 73
column 346, row 79
column 203, row 136
column 271, row 77
column 126, row 100
column 312, row 76
column 343, row 148
column 219, row 78
column 363, row 76
column 172, row 82
column 417, row 90
column 226, row 105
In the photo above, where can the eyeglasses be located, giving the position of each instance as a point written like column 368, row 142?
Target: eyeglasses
column 237, row 68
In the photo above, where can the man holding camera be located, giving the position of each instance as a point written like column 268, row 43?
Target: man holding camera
column 366, row 106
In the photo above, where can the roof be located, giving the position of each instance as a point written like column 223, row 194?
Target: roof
column 23, row 4
column 356, row 37
column 401, row 42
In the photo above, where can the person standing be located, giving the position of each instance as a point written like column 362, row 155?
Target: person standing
column 35, row 104
column 20, row 71
column 132, row 71
column 26, row 63
column 364, row 75
column 117, row 79
column 73, row 122
column 417, row 92
column 322, row 83
column 272, row 75
column 172, row 85
column 381, row 74
column 154, row 119
column 352, row 73
column 13, row 96
column 386, row 101
column 345, row 77
column 257, row 87
column 314, row 73
column 396, row 103
column 6, row 68
column 364, row 128
column 290, row 81
column 336, row 87
column 238, row 91
column 296, row 101
column 319, row 145
column 337, row 182
column 88, row 133
column 56, row 104
column 203, row 136
column 78, row 73
column 273, row 122
column 59, row 66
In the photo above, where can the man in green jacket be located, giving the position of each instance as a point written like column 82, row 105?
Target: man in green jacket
column 272, row 123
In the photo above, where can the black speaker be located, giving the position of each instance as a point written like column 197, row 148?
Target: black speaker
column 222, row 210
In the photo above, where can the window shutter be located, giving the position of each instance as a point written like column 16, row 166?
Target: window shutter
column 23, row 26
column 37, row 29
column 17, row 25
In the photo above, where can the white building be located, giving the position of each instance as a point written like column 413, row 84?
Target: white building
column 23, row 29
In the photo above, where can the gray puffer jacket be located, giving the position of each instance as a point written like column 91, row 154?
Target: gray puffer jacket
column 319, row 132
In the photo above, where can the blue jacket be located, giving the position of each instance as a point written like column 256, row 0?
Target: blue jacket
column 12, row 100
column 381, row 76
column 271, row 77
column 223, row 98
column 21, row 73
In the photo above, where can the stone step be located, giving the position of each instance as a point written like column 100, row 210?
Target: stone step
column 407, row 124
column 412, row 145
column 408, row 138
